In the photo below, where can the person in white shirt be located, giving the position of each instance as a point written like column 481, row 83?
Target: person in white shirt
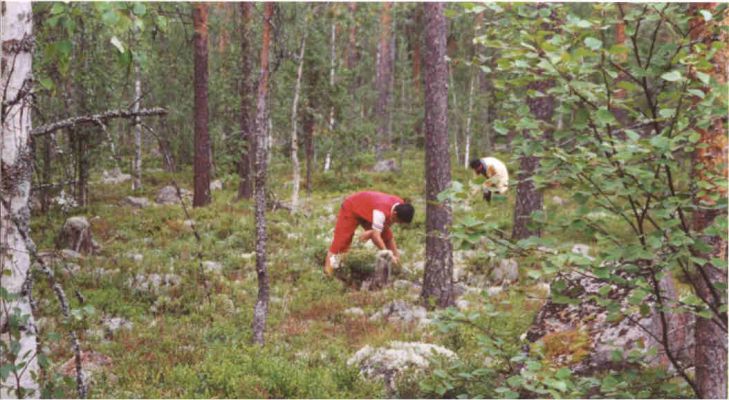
column 497, row 176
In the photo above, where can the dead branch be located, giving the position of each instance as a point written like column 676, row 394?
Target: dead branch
column 96, row 119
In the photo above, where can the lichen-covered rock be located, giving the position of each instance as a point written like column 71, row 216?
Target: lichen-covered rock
column 168, row 195
column 114, row 177
column 76, row 235
column 506, row 271
column 579, row 334
column 386, row 166
column 216, row 185
column 153, row 282
column 388, row 363
column 402, row 312
column 136, row 202
column 354, row 312
column 212, row 267
column 113, row 324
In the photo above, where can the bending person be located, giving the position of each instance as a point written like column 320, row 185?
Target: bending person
column 497, row 176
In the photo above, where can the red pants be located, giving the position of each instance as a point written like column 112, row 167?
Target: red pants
column 347, row 222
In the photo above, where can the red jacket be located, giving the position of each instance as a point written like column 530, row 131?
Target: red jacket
column 362, row 204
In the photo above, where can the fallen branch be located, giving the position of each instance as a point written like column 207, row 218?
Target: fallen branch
column 98, row 119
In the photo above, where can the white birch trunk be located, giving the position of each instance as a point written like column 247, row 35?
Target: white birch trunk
column 467, row 145
column 17, row 55
column 332, row 64
column 137, row 164
column 451, row 89
column 294, row 135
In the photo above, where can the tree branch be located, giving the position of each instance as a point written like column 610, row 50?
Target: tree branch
column 96, row 119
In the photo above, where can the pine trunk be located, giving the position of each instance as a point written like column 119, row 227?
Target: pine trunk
column 201, row 196
column 438, row 277
column 261, row 308
column 382, row 82
column 245, row 164
column 528, row 198
column 710, row 169
column 16, row 318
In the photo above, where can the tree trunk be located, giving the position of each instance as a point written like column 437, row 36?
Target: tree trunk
column 332, row 65
column 438, row 277
column 294, row 134
column 309, row 124
column 469, row 112
column 137, row 165
column 382, row 82
column 710, row 168
column 352, row 51
column 245, row 165
column 528, row 198
column 16, row 318
column 261, row 308
column 47, row 174
column 201, row 196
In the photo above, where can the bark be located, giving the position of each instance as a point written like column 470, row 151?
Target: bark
column 332, row 64
column 710, row 167
column 438, row 276
column 201, row 196
column 261, row 307
column 469, row 113
column 245, row 165
column 528, row 198
column 309, row 124
column 16, row 37
column 294, row 133
column 382, row 82
column 352, row 50
column 137, row 165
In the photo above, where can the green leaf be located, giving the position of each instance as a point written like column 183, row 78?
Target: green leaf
column 46, row 83
column 703, row 77
column 593, row 43
column 139, row 9
column 672, row 76
column 563, row 373
column 698, row 93
column 604, row 116
column 667, row 112
column 118, row 44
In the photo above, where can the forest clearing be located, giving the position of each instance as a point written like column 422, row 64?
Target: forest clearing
column 363, row 200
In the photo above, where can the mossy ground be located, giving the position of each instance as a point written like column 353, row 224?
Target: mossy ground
column 196, row 340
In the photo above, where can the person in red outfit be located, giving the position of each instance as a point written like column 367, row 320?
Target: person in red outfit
column 375, row 212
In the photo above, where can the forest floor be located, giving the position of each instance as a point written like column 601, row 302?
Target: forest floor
column 192, row 337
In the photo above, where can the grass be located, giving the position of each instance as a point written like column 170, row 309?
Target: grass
column 193, row 340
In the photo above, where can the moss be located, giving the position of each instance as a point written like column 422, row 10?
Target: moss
column 566, row 348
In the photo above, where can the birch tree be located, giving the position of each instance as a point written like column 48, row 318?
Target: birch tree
column 18, row 338
column 294, row 126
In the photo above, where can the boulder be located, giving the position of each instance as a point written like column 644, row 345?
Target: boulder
column 400, row 311
column 580, row 335
column 76, row 235
column 136, row 202
column 558, row 201
column 386, row 166
column 354, row 312
column 506, row 271
column 114, row 177
column 216, row 185
column 212, row 267
column 388, row 363
column 114, row 324
column 153, row 282
column 168, row 195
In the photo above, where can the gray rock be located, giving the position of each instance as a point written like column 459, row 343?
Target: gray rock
column 558, row 201
column 581, row 249
column 388, row 363
column 114, row 177
column 153, row 282
column 401, row 311
column 462, row 304
column 212, row 266
column 507, row 271
column 76, row 235
column 402, row 284
column 137, row 257
column 68, row 254
column 354, row 312
column 386, row 166
column 137, row 202
column 168, row 195
column 216, row 185
column 114, row 324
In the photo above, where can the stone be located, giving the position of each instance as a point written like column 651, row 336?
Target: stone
column 365, row 270
column 76, row 235
column 558, row 201
column 507, row 271
column 136, row 257
column 388, row 363
column 400, row 311
column 581, row 249
column 114, row 324
column 114, row 177
column 153, row 282
column 68, row 254
column 354, row 312
column 137, row 202
column 494, row 290
column 389, row 165
column 216, row 185
column 462, row 304
column 401, row 284
column 592, row 337
column 213, row 267
column 92, row 363
column 168, row 195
